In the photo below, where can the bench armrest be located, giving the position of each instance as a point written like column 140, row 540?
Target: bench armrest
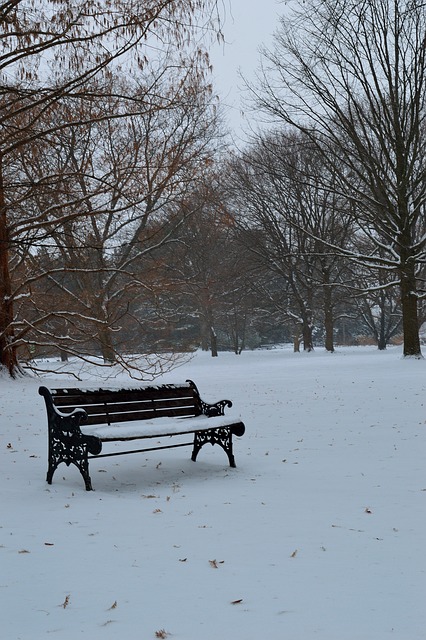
column 62, row 423
column 72, row 420
column 215, row 409
column 211, row 410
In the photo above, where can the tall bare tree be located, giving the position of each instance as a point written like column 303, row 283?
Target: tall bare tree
column 51, row 49
column 352, row 76
column 278, row 189
column 129, row 178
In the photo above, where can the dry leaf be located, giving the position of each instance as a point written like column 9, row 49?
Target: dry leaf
column 113, row 606
column 161, row 634
column 66, row 602
column 237, row 601
column 24, row 551
column 213, row 564
column 293, row 555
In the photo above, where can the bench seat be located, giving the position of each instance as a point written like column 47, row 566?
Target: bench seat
column 160, row 427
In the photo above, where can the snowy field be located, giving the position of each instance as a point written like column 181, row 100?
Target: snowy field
column 318, row 534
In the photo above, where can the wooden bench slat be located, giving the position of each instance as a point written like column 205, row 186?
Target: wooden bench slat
column 111, row 417
column 65, row 397
column 127, row 407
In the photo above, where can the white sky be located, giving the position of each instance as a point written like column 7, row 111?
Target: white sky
column 248, row 25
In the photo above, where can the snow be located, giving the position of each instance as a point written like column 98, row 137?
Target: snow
column 318, row 533
column 159, row 427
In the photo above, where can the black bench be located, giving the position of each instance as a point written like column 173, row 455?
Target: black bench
column 79, row 421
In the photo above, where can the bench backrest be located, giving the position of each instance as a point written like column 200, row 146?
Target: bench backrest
column 107, row 406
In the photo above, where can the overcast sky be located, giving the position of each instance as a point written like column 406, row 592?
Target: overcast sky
column 248, row 25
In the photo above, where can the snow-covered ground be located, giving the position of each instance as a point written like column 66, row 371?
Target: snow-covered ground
column 318, row 533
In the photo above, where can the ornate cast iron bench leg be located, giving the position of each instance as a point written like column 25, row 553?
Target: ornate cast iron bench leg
column 221, row 436
column 71, row 447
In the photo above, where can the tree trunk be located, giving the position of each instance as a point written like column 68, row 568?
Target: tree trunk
column 381, row 341
column 328, row 313
column 238, row 332
column 296, row 343
column 308, row 344
column 8, row 354
column 213, row 342
column 410, row 325
column 329, row 331
column 204, row 335
column 107, row 348
column 236, row 340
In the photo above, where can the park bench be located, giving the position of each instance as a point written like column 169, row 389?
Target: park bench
column 81, row 420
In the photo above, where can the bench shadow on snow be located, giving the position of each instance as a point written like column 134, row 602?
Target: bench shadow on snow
column 145, row 475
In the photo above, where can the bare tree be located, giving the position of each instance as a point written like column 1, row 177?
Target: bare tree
column 277, row 186
column 352, row 76
column 204, row 270
column 109, row 194
column 51, row 49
